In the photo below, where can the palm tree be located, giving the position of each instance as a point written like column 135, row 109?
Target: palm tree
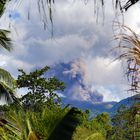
column 7, row 84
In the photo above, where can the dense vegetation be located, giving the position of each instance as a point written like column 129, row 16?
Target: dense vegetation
column 54, row 123
column 40, row 115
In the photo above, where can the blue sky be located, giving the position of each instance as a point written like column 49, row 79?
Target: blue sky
column 79, row 52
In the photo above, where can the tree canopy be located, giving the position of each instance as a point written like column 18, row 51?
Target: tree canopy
column 41, row 90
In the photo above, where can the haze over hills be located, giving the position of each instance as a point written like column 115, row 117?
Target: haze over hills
column 97, row 108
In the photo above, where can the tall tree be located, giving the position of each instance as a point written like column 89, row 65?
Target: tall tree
column 41, row 90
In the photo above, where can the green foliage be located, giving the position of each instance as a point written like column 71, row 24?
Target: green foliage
column 5, row 41
column 103, row 123
column 7, row 85
column 122, row 125
column 41, row 90
column 35, row 125
column 49, row 124
column 4, row 108
column 95, row 136
column 67, row 126
column 64, row 123
column 7, row 80
column 96, row 128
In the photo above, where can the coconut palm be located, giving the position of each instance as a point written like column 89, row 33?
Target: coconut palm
column 7, row 83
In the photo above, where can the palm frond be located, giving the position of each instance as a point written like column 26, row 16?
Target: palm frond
column 2, row 6
column 128, row 4
column 7, row 79
column 129, row 45
column 5, row 41
column 7, row 85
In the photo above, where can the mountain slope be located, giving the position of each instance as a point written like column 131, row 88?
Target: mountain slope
column 97, row 108
column 128, row 102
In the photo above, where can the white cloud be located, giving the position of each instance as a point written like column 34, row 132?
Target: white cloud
column 97, row 70
column 12, row 64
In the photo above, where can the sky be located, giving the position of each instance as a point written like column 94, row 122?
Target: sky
column 79, row 53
